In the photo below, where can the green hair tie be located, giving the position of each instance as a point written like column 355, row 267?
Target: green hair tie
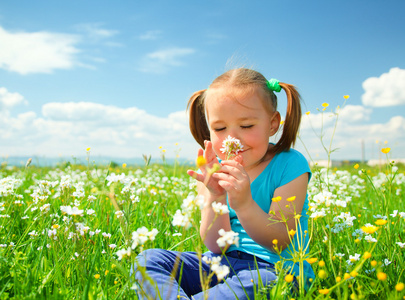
column 273, row 85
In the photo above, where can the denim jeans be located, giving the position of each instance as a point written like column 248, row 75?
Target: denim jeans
column 161, row 282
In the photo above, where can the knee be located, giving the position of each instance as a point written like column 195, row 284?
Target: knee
column 149, row 257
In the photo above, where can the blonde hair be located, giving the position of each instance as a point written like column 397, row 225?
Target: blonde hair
column 243, row 78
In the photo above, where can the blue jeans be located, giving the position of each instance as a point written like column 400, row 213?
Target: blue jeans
column 184, row 283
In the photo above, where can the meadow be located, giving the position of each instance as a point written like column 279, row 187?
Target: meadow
column 73, row 231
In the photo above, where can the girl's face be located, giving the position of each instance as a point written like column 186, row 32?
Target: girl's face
column 244, row 116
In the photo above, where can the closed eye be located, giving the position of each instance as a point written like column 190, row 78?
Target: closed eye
column 219, row 129
column 246, row 126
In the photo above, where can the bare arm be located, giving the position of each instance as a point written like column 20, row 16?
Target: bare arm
column 263, row 227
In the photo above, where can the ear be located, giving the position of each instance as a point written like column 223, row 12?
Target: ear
column 275, row 123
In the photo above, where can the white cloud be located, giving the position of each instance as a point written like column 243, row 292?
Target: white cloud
column 95, row 30
column 69, row 128
column 36, row 52
column 8, row 100
column 386, row 90
column 151, row 35
column 161, row 61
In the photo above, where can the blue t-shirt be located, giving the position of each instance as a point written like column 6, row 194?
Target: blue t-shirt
column 283, row 168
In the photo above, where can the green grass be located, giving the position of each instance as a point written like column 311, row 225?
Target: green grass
column 46, row 253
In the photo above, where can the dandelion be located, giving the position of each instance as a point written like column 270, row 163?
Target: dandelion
column 381, row 276
column 97, row 276
column 231, row 146
column 321, row 263
column 373, row 263
column 324, row 291
column 399, row 287
column 289, row 278
column 201, row 161
column 380, row 222
column 368, row 228
column 291, row 199
column 385, row 150
column 322, row 274
column 311, row 260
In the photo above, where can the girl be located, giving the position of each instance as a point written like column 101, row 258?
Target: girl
column 264, row 187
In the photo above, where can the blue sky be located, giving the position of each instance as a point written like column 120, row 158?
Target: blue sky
column 116, row 76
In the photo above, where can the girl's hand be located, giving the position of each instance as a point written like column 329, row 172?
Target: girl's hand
column 205, row 176
column 233, row 178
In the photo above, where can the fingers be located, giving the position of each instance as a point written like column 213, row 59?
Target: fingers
column 209, row 151
column 195, row 175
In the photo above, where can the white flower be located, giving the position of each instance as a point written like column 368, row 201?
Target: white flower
column 386, row 262
column 220, row 208
column 227, row 237
column 402, row 245
column 90, row 212
column 72, row 211
column 220, row 270
column 106, row 235
column 119, row 214
column 123, row 253
column 181, row 220
column 112, row 246
column 394, row 213
column 353, row 258
column 370, row 239
column 231, row 146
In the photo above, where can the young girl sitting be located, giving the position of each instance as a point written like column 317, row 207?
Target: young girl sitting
column 264, row 186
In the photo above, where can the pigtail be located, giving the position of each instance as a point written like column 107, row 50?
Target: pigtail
column 292, row 119
column 197, row 119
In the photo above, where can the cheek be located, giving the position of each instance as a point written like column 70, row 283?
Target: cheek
column 217, row 145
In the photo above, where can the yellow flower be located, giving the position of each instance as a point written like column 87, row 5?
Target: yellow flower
column 292, row 232
column 373, row 263
column 400, row 286
column 55, row 226
column 281, row 122
column 113, row 266
column 311, row 260
column 324, row 291
column 289, row 278
column 307, row 113
column 88, row 149
column 356, row 166
column 367, row 255
column 275, row 242
column 381, row 222
column 291, row 199
column 325, row 105
column 353, row 273
column 381, row 276
column 276, row 199
column 322, row 274
column 357, row 241
column 346, row 96
column 369, row 229
column 124, row 165
column 321, row 263
column 115, row 281
column 97, row 276
column 338, row 279
column 201, row 161
column 346, row 276
column 106, row 272
column 385, row 150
